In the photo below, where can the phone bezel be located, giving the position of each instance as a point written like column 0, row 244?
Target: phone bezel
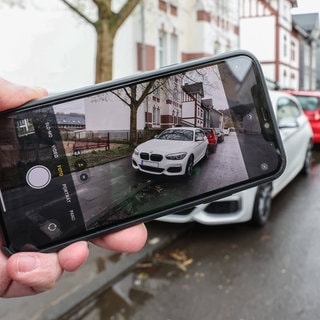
column 139, row 78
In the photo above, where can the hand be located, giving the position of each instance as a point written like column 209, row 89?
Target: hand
column 29, row 273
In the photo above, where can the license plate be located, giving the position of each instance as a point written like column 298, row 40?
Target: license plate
column 149, row 164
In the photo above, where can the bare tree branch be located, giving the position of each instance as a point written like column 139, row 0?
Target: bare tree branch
column 123, row 14
column 77, row 11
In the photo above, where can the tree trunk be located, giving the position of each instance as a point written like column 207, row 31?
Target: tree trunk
column 133, row 116
column 133, row 126
column 104, row 55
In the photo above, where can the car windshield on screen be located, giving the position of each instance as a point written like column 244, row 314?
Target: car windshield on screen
column 181, row 135
column 309, row 103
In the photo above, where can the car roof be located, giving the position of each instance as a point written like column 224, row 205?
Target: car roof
column 183, row 128
column 312, row 93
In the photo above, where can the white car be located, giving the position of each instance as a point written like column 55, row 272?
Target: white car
column 254, row 204
column 173, row 152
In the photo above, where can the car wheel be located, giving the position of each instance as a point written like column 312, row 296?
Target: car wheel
column 214, row 148
column 206, row 155
column 189, row 166
column 262, row 205
column 307, row 160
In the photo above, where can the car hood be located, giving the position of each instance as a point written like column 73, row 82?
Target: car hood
column 164, row 146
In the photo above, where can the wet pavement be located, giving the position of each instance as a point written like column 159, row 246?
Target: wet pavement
column 102, row 269
column 230, row 272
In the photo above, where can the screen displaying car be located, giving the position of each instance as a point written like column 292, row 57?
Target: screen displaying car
column 173, row 152
column 254, row 204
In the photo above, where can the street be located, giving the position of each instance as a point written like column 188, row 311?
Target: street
column 231, row 272
column 132, row 193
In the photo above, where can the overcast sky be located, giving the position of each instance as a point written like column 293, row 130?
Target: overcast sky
column 46, row 45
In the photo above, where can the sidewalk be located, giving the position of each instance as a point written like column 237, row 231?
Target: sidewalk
column 101, row 271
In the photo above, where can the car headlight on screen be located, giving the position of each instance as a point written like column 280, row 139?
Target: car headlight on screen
column 176, row 156
column 136, row 152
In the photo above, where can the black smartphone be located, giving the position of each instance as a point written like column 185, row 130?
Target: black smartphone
column 80, row 164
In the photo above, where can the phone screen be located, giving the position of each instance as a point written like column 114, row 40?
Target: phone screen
column 71, row 167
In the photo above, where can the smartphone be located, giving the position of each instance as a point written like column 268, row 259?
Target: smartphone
column 84, row 163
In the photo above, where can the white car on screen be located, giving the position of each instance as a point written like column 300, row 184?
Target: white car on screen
column 173, row 152
column 254, row 204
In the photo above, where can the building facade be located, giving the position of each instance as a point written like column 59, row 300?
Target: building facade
column 164, row 32
column 284, row 43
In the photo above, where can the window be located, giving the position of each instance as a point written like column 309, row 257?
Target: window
column 162, row 49
column 156, row 116
column 284, row 45
column 309, row 103
column 293, row 51
column 287, row 111
column 174, row 48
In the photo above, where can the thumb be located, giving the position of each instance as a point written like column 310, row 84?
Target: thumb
column 35, row 270
column 13, row 95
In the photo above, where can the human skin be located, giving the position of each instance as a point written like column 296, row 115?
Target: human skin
column 30, row 273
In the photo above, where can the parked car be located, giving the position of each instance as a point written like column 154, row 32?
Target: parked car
column 226, row 131
column 254, row 204
column 212, row 138
column 310, row 102
column 220, row 134
column 173, row 152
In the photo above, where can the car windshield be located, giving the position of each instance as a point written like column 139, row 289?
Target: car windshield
column 207, row 131
column 177, row 134
column 309, row 103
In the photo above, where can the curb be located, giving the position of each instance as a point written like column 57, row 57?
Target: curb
column 72, row 303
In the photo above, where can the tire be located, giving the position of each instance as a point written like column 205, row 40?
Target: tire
column 189, row 167
column 214, row 148
column 307, row 160
column 206, row 155
column 262, row 205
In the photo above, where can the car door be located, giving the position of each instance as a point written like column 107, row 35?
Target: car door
column 293, row 127
column 200, row 145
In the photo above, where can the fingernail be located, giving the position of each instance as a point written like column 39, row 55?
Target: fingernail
column 27, row 263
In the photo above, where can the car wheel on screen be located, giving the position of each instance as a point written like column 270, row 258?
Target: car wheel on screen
column 262, row 205
column 307, row 160
column 189, row 166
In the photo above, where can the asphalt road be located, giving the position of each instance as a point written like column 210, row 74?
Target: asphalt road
column 231, row 272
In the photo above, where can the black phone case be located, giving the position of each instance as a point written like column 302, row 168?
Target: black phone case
column 34, row 222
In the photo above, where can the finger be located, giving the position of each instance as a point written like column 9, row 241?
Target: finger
column 128, row 240
column 13, row 95
column 37, row 271
column 73, row 256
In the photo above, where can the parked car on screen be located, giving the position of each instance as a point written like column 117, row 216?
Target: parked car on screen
column 220, row 134
column 226, row 131
column 310, row 102
column 212, row 138
column 254, row 204
column 173, row 152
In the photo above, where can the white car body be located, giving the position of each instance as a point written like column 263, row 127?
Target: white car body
column 169, row 156
column 245, row 205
